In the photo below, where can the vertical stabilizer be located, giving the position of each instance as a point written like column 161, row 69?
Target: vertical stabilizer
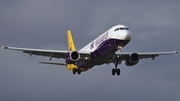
column 71, row 46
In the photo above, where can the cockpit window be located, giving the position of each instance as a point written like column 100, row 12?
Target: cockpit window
column 122, row 28
column 127, row 28
column 116, row 29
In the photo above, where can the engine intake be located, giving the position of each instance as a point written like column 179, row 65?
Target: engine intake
column 74, row 56
column 132, row 59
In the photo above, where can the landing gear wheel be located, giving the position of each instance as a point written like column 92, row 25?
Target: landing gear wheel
column 74, row 70
column 118, row 71
column 79, row 71
column 113, row 71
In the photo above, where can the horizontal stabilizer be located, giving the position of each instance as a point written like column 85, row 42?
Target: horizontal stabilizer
column 53, row 63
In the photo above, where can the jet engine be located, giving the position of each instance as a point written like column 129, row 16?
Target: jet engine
column 72, row 57
column 132, row 59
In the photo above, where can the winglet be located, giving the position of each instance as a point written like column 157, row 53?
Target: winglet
column 175, row 52
column 2, row 47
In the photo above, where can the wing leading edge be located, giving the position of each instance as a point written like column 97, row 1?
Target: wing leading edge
column 48, row 53
column 145, row 55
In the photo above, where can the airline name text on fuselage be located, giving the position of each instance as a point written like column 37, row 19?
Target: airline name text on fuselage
column 98, row 41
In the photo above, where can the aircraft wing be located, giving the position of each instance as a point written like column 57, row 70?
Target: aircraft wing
column 149, row 54
column 48, row 53
column 146, row 55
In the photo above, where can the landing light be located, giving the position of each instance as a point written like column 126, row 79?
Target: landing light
column 119, row 47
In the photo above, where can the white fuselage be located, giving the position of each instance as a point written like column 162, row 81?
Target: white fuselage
column 119, row 32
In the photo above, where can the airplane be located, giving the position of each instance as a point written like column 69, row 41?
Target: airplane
column 102, row 50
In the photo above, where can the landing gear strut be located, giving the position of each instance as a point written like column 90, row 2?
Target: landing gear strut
column 116, row 70
column 78, row 70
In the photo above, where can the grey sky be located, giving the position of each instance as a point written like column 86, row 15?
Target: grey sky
column 43, row 24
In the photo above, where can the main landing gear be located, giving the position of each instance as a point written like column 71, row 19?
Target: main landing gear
column 78, row 70
column 116, row 70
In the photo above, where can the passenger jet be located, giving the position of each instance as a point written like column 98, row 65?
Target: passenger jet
column 102, row 50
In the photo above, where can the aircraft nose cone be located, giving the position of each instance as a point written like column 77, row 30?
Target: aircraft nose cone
column 128, row 35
